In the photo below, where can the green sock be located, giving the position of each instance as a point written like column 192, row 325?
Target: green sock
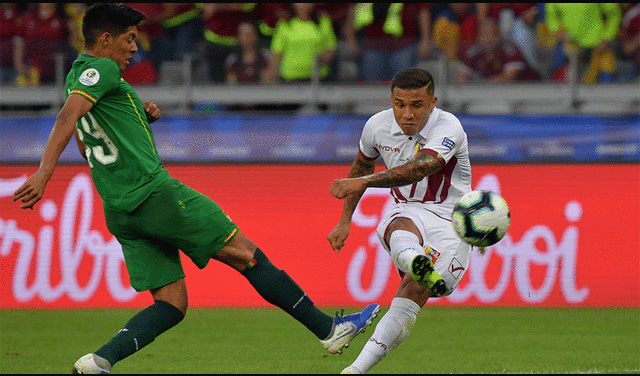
column 140, row 331
column 277, row 288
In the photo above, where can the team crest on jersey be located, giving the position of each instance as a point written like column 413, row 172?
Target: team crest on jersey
column 432, row 254
column 89, row 77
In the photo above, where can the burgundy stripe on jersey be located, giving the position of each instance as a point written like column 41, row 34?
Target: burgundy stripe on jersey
column 438, row 181
column 365, row 156
column 437, row 155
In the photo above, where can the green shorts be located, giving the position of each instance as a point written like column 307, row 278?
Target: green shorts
column 174, row 217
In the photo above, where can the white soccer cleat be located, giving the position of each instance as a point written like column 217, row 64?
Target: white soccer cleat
column 92, row 364
column 347, row 327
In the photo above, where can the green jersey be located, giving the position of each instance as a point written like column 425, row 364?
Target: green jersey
column 587, row 23
column 300, row 42
column 119, row 145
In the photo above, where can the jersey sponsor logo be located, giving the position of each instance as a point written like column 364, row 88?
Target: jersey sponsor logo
column 448, row 143
column 387, row 148
column 89, row 77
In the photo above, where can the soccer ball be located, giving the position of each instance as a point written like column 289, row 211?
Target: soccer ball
column 481, row 218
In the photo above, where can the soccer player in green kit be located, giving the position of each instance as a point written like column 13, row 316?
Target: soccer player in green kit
column 152, row 215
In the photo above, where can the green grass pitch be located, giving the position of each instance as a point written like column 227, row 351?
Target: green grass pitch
column 444, row 340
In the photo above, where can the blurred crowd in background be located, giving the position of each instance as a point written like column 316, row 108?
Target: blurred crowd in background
column 339, row 42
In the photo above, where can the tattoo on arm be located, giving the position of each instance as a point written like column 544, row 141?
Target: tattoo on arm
column 422, row 165
column 360, row 167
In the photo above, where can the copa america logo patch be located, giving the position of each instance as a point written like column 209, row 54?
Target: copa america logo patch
column 448, row 143
column 89, row 77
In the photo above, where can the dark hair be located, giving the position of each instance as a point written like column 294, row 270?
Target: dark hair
column 413, row 78
column 114, row 18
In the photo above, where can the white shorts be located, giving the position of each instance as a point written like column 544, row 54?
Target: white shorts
column 449, row 252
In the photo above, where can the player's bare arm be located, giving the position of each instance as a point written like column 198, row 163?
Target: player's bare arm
column 338, row 236
column 81, row 146
column 422, row 165
column 64, row 127
column 360, row 167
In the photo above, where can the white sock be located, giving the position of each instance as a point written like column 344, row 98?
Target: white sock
column 405, row 246
column 393, row 328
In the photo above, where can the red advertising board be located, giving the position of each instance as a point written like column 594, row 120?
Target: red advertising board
column 574, row 239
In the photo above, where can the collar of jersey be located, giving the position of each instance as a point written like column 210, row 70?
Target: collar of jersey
column 433, row 117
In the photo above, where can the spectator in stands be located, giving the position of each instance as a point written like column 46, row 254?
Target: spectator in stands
column 585, row 29
column 631, row 40
column 182, row 29
column 494, row 59
column 221, row 26
column 338, row 13
column 41, row 34
column 455, row 26
column 387, row 36
column 269, row 16
column 520, row 25
column 74, row 13
column 250, row 63
column 303, row 42
column 9, row 19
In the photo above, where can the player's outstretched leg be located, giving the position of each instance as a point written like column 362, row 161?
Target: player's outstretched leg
column 92, row 364
column 279, row 289
column 345, row 328
column 394, row 327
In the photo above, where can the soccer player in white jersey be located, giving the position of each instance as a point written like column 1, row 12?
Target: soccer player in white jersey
column 428, row 170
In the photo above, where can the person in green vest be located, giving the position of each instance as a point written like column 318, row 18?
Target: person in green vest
column 388, row 37
column 153, row 216
column 586, row 29
column 182, row 29
column 301, row 42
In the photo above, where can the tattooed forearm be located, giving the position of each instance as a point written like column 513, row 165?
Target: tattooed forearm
column 422, row 165
column 360, row 167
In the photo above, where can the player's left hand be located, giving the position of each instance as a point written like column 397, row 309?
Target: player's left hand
column 152, row 111
column 342, row 188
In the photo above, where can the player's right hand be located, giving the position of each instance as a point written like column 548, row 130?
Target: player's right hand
column 341, row 188
column 338, row 236
column 32, row 190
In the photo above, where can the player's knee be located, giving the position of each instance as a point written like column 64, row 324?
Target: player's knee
column 402, row 223
column 238, row 253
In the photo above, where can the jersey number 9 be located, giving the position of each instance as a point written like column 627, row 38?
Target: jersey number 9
column 95, row 130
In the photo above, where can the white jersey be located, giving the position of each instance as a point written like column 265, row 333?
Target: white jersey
column 442, row 137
